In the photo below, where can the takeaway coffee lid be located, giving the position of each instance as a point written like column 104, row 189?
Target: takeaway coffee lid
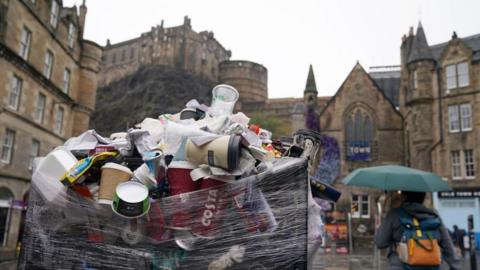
column 111, row 165
column 181, row 164
column 131, row 200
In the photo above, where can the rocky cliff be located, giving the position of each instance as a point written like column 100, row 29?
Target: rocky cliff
column 149, row 92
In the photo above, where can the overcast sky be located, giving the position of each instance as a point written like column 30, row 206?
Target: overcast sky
column 287, row 36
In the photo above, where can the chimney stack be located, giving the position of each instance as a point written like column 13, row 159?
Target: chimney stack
column 83, row 15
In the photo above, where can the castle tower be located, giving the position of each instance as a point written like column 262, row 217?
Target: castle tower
column 420, row 90
column 249, row 78
column 310, row 93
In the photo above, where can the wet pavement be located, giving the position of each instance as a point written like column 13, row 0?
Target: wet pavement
column 365, row 261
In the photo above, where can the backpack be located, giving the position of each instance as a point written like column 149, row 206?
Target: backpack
column 419, row 248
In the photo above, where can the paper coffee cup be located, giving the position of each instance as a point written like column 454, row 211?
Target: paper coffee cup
column 181, row 183
column 131, row 200
column 207, row 219
column 112, row 175
column 144, row 176
column 223, row 152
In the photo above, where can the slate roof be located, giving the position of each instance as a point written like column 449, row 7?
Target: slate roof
column 472, row 41
column 311, row 85
column 390, row 87
column 420, row 49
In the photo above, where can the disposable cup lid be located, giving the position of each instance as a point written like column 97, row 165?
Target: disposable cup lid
column 182, row 165
column 132, row 192
column 111, row 165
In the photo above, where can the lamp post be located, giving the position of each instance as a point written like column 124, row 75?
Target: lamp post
column 471, row 239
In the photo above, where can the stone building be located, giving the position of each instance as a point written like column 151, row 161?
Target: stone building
column 369, row 131
column 439, row 99
column 47, row 93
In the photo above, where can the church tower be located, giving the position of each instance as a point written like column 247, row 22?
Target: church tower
column 310, row 99
column 310, row 93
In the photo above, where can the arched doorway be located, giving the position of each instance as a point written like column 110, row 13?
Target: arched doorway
column 6, row 198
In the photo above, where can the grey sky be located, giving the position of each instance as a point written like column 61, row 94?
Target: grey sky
column 286, row 36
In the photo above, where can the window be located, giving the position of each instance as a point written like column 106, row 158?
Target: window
column 34, row 152
column 25, row 40
column 466, row 117
column 132, row 53
column 54, row 13
column 124, row 54
column 48, row 64
column 40, row 108
column 460, row 118
column 463, row 164
column 7, row 147
column 469, row 164
column 457, row 75
column 414, row 80
column 456, row 166
column 15, row 93
column 360, row 206
column 462, row 70
column 359, row 134
column 71, row 35
column 6, row 198
column 59, row 120
column 453, row 122
column 114, row 58
column 66, row 80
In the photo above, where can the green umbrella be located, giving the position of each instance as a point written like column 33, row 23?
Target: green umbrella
column 393, row 177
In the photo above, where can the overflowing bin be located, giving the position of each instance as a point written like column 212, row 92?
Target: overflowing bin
column 173, row 193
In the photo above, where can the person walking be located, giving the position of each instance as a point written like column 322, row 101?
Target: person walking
column 392, row 233
column 458, row 236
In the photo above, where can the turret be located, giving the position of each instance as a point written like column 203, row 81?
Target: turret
column 419, row 92
column 85, row 99
column 420, row 66
column 310, row 93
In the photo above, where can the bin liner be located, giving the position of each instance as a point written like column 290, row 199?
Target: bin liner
column 257, row 222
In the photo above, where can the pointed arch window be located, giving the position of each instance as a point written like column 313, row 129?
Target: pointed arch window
column 359, row 135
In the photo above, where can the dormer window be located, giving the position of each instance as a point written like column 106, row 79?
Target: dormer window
column 457, row 75
column 54, row 13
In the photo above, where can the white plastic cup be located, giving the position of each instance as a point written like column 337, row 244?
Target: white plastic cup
column 143, row 175
column 224, row 98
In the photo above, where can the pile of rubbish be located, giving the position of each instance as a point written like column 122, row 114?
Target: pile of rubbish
column 199, row 189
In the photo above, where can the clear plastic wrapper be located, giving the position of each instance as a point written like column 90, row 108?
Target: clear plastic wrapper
column 257, row 222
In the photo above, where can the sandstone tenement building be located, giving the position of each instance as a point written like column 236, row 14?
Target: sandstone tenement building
column 48, row 82
column 439, row 100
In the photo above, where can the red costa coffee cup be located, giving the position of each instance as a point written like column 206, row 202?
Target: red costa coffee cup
column 207, row 219
column 156, row 226
column 181, row 184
